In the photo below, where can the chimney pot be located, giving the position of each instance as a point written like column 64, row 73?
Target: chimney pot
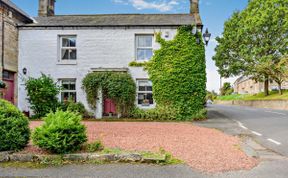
column 194, row 6
column 46, row 8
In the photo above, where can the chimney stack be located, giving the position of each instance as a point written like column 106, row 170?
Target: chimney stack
column 46, row 8
column 194, row 11
column 194, row 6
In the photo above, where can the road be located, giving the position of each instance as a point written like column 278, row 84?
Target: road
column 269, row 127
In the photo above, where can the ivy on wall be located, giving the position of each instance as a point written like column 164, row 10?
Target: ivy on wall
column 118, row 86
column 178, row 73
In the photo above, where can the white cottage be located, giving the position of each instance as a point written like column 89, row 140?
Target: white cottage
column 67, row 47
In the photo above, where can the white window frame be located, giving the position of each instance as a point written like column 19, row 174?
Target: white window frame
column 67, row 48
column 68, row 91
column 145, row 92
column 136, row 46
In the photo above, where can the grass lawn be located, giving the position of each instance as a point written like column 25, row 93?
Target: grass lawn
column 273, row 96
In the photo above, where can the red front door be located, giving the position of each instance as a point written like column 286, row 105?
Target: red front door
column 8, row 78
column 109, row 107
column 9, row 91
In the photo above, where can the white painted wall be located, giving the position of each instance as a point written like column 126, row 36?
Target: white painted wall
column 106, row 48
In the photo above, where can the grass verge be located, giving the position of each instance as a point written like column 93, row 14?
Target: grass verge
column 274, row 95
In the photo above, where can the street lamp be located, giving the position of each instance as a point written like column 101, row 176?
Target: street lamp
column 207, row 36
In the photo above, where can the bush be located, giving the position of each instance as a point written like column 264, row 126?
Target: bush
column 61, row 133
column 14, row 128
column 74, row 107
column 42, row 95
column 158, row 113
column 95, row 146
column 163, row 113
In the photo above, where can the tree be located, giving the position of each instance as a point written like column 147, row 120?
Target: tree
column 211, row 95
column 226, row 89
column 253, row 38
column 42, row 95
column 277, row 72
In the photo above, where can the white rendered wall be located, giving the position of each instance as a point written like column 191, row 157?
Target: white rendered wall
column 96, row 48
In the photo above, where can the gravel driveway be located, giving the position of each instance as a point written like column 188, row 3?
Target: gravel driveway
column 203, row 149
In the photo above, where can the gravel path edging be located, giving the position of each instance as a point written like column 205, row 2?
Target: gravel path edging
column 81, row 157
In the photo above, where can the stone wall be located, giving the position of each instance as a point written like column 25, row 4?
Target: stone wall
column 271, row 104
column 9, row 19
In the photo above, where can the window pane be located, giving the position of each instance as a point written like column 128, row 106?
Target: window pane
column 69, row 54
column 65, row 54
column 73, row 54
column 144, row 54
column 149, row 88
column 64, row 96
column 68, row 42
column 72, row 42
column 73, row 96
column 149, row 97
column 145, row 98
column 69, row 84
column 65, row 42
column 145, row 41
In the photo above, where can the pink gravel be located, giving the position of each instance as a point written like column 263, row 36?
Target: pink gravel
column 203, row 149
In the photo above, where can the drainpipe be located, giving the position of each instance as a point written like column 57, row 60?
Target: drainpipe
column 3, row 36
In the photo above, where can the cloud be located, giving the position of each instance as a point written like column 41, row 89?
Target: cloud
column 163, row 5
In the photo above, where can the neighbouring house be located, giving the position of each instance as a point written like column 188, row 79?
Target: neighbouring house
column 68, row 47
column 11, row 17
column 246, row 85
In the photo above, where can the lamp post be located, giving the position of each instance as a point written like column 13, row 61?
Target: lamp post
column 206, row 35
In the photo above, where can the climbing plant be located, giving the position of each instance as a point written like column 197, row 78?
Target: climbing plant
column 178, row 73
column 118, row 86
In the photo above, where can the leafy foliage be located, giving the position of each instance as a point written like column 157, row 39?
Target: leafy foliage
column 177, row 71
column 76, row 107
column 117, row 86
column 211, row 95
column 2, row 84
column 226, row 89
column 253, row 38
column 61, row 132
column 95, row 146
column 14, row 128
column 42, row 95
column 137, row 64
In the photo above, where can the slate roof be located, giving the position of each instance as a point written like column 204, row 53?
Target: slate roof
column 13, row 6
column 113, row 20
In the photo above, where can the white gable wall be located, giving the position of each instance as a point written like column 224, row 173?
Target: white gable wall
column 106, row 48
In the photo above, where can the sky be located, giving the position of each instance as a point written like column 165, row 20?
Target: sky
column 213, row 13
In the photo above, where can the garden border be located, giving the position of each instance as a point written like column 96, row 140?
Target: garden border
column 127, row 158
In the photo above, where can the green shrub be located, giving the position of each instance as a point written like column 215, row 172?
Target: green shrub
column 42, row 95
column 14, row 128
column 61, row 133
column 137, row 64
column 95, row 146
column 74, row 107
column 77, row 108
column 158, row 113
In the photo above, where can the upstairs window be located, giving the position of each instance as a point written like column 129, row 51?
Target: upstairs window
column 144, row 47
column 68, row 91
column 68, row 47
column 144, row 92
